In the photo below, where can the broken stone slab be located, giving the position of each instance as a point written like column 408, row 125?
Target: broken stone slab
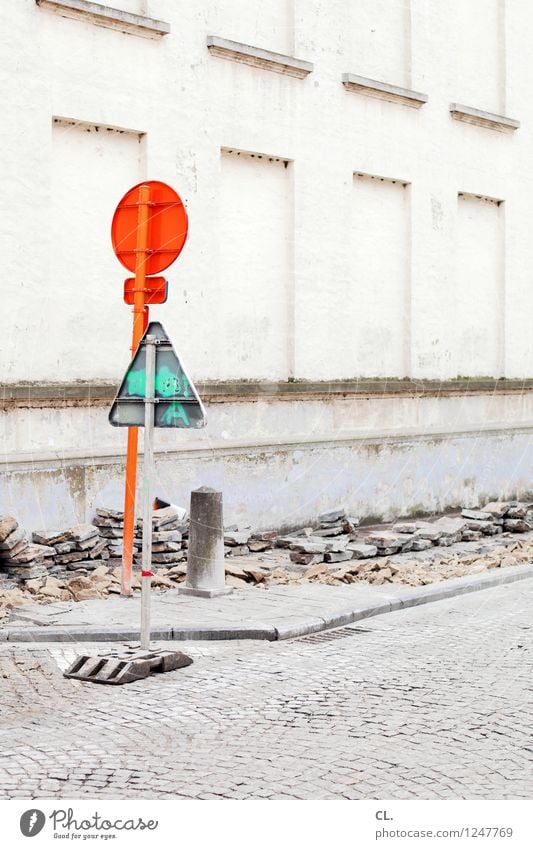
column 362, row 550
column 315, row 570
column 176, row 571
column 258, row 574
column 387, row 539
column 87, row 565
column 427, row 530
column 482, row 525
column 161, row 547
column 8, row 524
column 86, row 544
column 64, row 547
column 100, row 522
column 450, row 524
column 420, row 544
column 516, row 511
column 13, row 539
column 332, row 516
column 332, row 531
column 339, row 543
column 450, row 538
column 33, row 552
column 112, row 533
column 110, row 513
column 405, row 527
column 22, row 572
column 287, row 541
column 166, row 516
column 82, row 532
column 236, row 538
column 302, row 532
column 237, row 550
column 168, row 557
column 480, row 515
column 70, row 557
column 99, row 550
column 19, row 548
column 498, row 509
column 305, row 558
column 165, row 536
column 337, row 556
column 309, row 547
column 470, row 535
column 388, row 550
column 258, row 545
column 235, row 569
column 517, row 526
column 265, row 536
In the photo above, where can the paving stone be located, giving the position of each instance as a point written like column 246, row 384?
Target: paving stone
column 8, row 524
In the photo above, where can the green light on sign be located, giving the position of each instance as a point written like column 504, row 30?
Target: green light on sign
column 167, row 383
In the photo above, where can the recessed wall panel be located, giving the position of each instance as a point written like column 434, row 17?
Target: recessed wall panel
column 268, row 25
column 92, row 168
column 378, row 305
column 380, row 40
column 477, row 53
column 479, row 287
column 255, row 238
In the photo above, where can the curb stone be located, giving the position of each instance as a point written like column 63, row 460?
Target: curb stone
column 311, row 625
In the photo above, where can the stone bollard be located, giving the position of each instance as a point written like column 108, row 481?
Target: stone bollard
column 205, row 563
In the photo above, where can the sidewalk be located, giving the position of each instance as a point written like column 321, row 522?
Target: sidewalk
column 277, row 613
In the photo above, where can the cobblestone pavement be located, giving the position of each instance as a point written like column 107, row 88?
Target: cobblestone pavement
column 431, row 702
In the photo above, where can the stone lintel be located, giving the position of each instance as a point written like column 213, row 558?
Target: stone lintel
column 469, row 115
column 107, row 16
column 258, row 57
column 383, row 91
column 101, row 393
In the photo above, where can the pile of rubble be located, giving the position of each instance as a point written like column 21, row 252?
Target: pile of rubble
column 81, row 586
column 80, row 547
column 309, row 546
column 19, row 559
column 170, row 531
column 84, row 561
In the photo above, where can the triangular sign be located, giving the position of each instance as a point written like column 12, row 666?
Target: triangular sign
column 177, row 402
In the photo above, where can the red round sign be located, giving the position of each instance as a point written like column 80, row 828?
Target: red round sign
column 167, row 227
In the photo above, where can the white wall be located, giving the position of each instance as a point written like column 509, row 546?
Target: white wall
column 380, row 40
column 268, row 25
column 477, row 59
column 299, row 272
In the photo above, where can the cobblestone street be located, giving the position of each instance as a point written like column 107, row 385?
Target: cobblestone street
column 432, row 702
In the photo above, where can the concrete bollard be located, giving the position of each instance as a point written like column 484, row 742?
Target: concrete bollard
column 205, row 563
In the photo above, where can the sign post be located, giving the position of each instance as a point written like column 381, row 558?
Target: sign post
column 148, row 232
column 148, row 490
column 156, row 391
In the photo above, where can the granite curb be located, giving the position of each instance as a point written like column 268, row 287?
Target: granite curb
column 282, row 631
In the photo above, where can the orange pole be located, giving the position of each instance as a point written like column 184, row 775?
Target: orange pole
column 139, row 323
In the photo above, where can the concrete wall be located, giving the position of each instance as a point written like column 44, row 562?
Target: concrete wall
column 332, row 236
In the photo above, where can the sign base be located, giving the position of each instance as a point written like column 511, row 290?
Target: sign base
column 205, row 593
column 123, row 667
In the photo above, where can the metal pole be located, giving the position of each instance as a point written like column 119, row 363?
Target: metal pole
column 148, row 490
column 138, row 330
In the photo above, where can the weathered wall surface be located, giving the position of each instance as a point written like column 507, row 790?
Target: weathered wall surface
column 332, row 236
